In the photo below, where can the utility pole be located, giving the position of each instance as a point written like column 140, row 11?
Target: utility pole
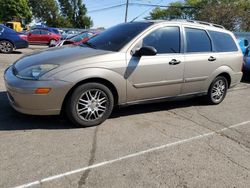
column 126, row 14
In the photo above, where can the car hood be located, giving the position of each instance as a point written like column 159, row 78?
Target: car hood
column 58, row 56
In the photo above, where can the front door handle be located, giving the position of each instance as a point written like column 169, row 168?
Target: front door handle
column 211, row 58
column 174, row 62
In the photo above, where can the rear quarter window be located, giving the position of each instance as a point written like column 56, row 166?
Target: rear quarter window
column 223, row 42
column 44, row 32
column 1, row 29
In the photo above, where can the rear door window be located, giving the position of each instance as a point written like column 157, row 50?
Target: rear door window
column 44, row 32
column 197, row 40
column 1, row 29
column 35, row 32
column 223, row 42
column 164, row 40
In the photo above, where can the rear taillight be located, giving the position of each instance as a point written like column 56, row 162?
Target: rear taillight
column 24, row 37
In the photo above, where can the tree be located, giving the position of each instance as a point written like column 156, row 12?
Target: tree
column 225, row 14
column 233, row 14
column 174, row 11
column 48, row 11
column 75, row 11
column 17, row 10
column 244, row 12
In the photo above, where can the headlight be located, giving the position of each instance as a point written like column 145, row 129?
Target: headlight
column 35, row 72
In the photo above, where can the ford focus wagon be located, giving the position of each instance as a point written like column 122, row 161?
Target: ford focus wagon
column 127, row 64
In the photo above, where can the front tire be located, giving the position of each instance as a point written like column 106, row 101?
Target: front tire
column 52, row 43
column 90, row 104
column 6, row 47
column 217, row 90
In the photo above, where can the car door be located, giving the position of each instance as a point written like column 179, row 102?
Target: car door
column 200, row 60
column 45, row 36
column 158, row 76
column 34, row 36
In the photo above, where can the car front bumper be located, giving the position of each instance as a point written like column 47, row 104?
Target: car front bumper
column 22, row 96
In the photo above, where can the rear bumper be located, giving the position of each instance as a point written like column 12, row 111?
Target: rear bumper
column 22, row 96
column 235, row 79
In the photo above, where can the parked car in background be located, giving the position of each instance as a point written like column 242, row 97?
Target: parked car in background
column 69, row 34
column 245, row 47
column 43, row 36
column 78, row 39
column 246, row 64
column 50, row 29
column 11, row 40
column 244, row 43
column 17, row 26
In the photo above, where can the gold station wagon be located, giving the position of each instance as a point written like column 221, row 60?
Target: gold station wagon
column 126, row 64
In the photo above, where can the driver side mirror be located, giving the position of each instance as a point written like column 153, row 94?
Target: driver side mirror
column 145, row 51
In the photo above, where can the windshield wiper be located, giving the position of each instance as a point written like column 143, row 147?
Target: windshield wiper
column 89, row 45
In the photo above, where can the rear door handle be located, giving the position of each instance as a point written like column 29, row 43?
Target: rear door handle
column 174, row 62
column 211, row 58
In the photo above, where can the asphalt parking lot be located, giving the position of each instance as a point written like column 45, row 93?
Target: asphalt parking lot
column 172, row 144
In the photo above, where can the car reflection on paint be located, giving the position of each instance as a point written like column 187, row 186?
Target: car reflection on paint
column 78, row 39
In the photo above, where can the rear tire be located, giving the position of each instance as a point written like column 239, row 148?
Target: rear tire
column 6, row 46
column 90, row 104
column 217, row 90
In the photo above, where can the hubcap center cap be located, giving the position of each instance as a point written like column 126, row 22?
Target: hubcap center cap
column 93, row 105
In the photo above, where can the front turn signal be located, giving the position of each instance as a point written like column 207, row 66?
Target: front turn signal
column 42, row 90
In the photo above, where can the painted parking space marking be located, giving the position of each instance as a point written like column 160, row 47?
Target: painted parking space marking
column 58, row 176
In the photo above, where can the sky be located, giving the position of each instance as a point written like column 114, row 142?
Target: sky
column 113, row 16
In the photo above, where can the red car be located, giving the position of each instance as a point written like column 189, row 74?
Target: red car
column 43, row 36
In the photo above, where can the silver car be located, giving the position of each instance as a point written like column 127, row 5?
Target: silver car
column 127, row 64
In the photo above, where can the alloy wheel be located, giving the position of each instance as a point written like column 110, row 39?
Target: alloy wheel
column 6, row 47
column 218, row 90
column 92, row 105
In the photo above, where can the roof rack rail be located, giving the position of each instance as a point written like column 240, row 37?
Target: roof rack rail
column 200, row 22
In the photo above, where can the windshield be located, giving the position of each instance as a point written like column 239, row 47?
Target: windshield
column 10, row 25
column 7, row 29
column 116, row 37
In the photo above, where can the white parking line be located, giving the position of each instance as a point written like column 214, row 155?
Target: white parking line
column 129, row 156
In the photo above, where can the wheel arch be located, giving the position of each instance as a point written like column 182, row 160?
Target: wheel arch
column 227, row 76
column 224, row 71
column 14, row 46
column 103, row 81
